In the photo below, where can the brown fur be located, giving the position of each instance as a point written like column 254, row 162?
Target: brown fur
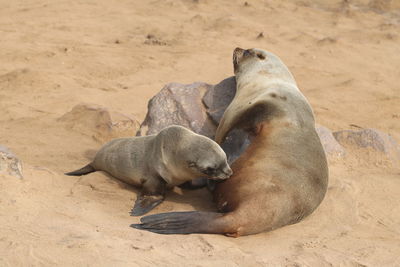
column 267, row 191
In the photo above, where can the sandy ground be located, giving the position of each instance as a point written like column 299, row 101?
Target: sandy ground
column 54, row 55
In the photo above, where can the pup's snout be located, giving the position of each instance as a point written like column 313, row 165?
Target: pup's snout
column 228, row 172
column 225, row 173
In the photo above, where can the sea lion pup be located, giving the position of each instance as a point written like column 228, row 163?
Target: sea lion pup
column 174, row 156
column 281, row 177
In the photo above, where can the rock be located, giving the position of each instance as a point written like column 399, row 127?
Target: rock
column 359, row 5
column 218, row 97
column 380, row 5
column 372, row 139
column 330, row 144
column 178, row 104
column 9, row 163
column 99, row 122
column 197, row 106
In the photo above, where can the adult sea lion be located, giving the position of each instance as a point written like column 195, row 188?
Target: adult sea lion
column 174, row 156
column 281, row 177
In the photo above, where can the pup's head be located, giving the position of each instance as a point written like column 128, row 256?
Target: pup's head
column 209, row 160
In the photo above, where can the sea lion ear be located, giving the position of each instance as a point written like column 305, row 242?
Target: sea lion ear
column 260, row 55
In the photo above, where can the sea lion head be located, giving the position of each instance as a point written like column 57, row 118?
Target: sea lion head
column 259, row 62
column 252, row 56
column 207, row 159
column 256, row 72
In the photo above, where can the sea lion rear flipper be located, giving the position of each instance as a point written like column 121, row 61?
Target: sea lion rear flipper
column 82, row 171
column 145, row 203
column 185, row 223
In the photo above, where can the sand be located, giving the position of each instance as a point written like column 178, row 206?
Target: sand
column 345, row 56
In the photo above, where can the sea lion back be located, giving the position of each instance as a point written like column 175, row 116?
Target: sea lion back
column 123, row 158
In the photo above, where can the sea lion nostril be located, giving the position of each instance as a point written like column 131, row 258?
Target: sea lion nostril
column 246, row 53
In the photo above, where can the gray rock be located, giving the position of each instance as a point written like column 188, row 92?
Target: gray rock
column 370, row 138
column 330, row 144
column 9, row 163
column 218, row 97
column 178, row 104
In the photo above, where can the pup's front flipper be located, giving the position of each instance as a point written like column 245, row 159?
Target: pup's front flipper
column 152, row 194
column 194, row 184
column 145, row 203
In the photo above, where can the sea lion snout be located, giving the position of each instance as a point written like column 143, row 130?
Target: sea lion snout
column 239, row 54
column 238, row 50
column 225, row 173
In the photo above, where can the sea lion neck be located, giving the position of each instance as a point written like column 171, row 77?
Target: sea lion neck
column 167, row 152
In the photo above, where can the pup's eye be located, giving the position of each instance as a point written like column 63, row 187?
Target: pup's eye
column 260, row 56
column 192, row 164
column 209, row 171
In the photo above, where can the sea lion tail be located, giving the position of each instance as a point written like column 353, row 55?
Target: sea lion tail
column 185, row 223
column 82, row 171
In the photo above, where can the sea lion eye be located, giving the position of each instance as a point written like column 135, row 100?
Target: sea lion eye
column 260, row 56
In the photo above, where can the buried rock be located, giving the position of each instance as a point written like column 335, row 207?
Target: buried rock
column 331, row 146
column 370, row 139
column 99, row 122
column 9, row 163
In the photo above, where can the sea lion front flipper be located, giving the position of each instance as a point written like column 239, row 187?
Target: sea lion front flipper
column 196, row 183
column 145, row 203
column 152, row 194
